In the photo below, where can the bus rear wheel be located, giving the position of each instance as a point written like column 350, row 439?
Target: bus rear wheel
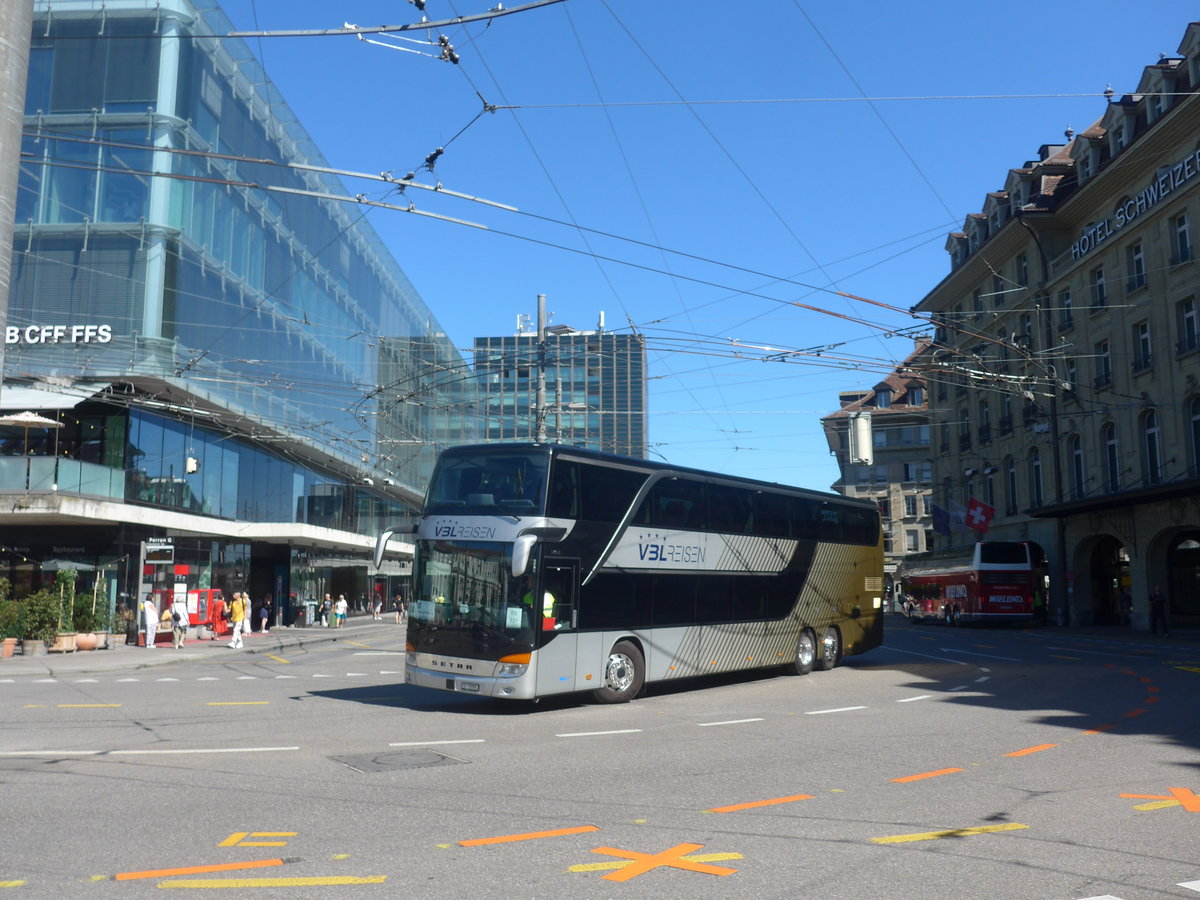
column 806, row 654
column 831, row 650
column 623, row 674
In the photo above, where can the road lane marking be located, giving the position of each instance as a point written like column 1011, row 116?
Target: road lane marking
column 88, row 705
column 196, row 870
column 914, row 699
column 1028, row 750
column 1072, row 658
column 727, row 722
column 237, row 703
column 279, row 659
column 431, row 743
column 1184, row 797
column 984, row 655
column 953, row 832
column 696, row 857
column 674, row 857
column 379, row 653
column 308, row 881
column 957, row 662
column 527, row 836
column 924, row 775
column 821, row 712
column 755, row 804
column 238, row 839
column 1099, row 729
column 357, row 644
column 87, row 680
column 599, row 733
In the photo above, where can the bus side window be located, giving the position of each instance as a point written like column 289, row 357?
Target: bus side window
column 564, row 491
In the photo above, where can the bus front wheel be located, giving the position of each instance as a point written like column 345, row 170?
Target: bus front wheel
column 831, row 650
column 806, row 654
column 623, row 674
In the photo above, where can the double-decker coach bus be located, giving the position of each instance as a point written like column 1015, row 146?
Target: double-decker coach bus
column 541, row 569
column 992, row 581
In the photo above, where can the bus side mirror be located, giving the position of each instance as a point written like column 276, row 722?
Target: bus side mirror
column 520, row 555
column 381, row 546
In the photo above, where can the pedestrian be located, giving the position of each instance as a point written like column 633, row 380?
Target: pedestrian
column 149, row 620
column 247, row 614
column 265, row 614
column 216, row 622
column 237, row 615
column 1126, row 602
column 377, row 609
column 340, row 610
column 1158, row 612
column 399, row 604
column 179, row 621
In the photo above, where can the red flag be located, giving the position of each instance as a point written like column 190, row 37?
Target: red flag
column 979, row 515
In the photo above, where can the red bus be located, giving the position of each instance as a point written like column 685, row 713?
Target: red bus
column 993, row 581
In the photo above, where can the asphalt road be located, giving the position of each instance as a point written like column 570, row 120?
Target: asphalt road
column 951, row 763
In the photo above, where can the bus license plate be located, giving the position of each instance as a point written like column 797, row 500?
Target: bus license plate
column 471, row 687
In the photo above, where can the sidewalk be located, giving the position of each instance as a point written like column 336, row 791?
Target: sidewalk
column 121, row 656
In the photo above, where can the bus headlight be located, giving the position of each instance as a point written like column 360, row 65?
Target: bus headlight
column 512, row 670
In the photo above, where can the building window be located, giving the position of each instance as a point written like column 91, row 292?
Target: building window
column 1035, row 478
column 1136, row 264
column 1006, row 419
column 912, row 540
column 977, row 304
column 989, row 490
column 1072, row 371
column 1195, row 433
column 997, row 290
column 1118, row 139
column 1065, row 319
column 910, row 505
column 1141, row 346
column 985, row 422
column 883, row 399
column 916, row 396
column 964, row 428
column 885, row 509
column 1099, row 290
column 1103, row 364
column 1010, row 486
column 925, row 501
column 1189, row 334
column 944, row 444
column 1181, row 240
column 1112, row 458
column 1152, row 461
column 1023, row 270
column 1078, row 473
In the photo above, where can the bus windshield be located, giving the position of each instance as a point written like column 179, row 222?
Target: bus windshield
column 489, row 483
column 469, row 602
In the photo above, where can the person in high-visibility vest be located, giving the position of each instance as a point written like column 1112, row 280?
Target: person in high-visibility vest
column 547, row 600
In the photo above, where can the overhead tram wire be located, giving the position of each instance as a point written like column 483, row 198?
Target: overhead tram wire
column 933, row 318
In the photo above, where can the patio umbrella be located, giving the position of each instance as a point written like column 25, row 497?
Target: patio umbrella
column 65, row 565
column 27, row 420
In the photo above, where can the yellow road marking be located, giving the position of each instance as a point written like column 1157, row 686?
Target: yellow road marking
column 923, row 775
column 1028, row 750
column 34, row 706
column 953, row 832
column 279, row 659
column 88, row 705
column 4, row 884
column 1161, row 804
column 238, row 703
column 699, row 857
column 758, row 803
column 528, row 836
column 357, row 644
column 1189, row 668
column 196, row 870
column 314, row 881
column 674, row 857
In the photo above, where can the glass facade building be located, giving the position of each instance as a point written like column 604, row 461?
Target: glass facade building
column 595, row 388
column 211, row 341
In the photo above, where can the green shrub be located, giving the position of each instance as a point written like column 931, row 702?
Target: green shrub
column 39, row 616
column 10, row 619
column 83, row 618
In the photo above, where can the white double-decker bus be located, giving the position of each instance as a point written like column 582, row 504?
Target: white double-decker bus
column 541, row 569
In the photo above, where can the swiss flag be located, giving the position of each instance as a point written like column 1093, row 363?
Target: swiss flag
column 979, row 515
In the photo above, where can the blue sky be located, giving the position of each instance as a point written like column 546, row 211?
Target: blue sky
column 736, row 135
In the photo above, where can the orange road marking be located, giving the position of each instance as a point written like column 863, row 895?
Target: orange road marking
column 307, row 881
column 1056, row 656
column 1134, row 713
column 1151, row 689
column 908, row 778
column 1099, row 728
column 1152, row 699
column 528, row 836
column 195, row 870
column 757, row 803
column 1186, row 797
column 1028, row 750
column 674, row 858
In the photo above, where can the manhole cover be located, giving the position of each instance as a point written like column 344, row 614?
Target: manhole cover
column 396, row 759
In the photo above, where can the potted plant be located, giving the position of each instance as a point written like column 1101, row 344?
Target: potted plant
column 64, row 587
column 89, row 626
column 10, row 627
column 39, row 622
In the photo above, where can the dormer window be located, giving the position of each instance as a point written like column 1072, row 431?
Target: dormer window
column 883, row 399
column 1085, row 165
column 916, row 396
column 1118, row 139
